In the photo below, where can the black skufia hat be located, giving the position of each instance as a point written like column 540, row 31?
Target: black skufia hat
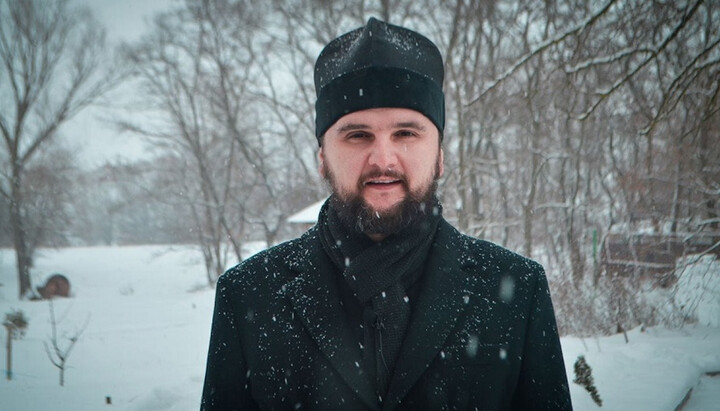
column 378, row 65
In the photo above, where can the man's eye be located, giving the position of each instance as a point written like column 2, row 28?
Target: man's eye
column 354, row 136
column 406, row 133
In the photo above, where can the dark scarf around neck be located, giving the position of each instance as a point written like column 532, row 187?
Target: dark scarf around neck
column 379, row 274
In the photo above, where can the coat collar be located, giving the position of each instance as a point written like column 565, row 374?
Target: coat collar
column 441, row 302
column 316, row 301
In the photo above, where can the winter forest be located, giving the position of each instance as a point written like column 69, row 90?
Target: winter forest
column 582, row 134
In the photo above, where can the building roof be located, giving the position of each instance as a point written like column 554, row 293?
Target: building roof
column 307, row 215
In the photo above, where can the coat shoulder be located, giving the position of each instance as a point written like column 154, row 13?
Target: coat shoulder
column 272, row 265
column 483, row 254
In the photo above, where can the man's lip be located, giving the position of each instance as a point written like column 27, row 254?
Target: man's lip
column 382, row 181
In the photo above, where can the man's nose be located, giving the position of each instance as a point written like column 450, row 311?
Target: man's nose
column 383, row 154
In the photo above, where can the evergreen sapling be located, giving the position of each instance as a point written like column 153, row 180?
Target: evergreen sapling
column 583, row 377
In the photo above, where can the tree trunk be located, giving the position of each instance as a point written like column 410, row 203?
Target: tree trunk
column 22, row 251
column 529, row 206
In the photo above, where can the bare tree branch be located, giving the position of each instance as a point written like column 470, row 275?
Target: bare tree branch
column 539, row 49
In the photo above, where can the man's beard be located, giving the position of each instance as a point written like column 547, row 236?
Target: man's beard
column 355, row 214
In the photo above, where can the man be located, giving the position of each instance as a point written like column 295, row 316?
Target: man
column 383, row 304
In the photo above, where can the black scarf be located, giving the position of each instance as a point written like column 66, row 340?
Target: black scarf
column 379, row 274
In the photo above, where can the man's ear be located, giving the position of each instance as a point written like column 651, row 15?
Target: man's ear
column 321, row 163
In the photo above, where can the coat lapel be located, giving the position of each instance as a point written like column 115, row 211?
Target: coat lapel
column 442, row 301
column 317, row 303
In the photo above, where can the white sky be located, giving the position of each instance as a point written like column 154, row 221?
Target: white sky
column 93, row 139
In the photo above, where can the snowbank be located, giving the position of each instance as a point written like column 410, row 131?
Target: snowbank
column 149, row 317
column 698, row 289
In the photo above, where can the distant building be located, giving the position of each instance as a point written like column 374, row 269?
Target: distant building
column 307, row 217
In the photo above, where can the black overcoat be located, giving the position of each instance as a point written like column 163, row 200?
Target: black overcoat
column 482, row 335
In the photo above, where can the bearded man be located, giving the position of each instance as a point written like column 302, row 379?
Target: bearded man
column 383, row 304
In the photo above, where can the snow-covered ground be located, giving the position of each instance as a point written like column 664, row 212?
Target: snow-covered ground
column 148, row 316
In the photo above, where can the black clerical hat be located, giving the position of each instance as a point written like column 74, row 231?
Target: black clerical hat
column 378, row 65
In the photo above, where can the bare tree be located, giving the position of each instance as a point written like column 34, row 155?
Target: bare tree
column 557, row 113
column 568, row 124
column 51, row 57
column 187, row 81
column 58, row 354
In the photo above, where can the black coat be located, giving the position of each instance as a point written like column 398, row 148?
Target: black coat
column 482, row 335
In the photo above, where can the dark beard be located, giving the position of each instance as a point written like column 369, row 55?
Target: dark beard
column 356, row 215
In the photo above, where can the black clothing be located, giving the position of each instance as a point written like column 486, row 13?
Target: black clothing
column 379, row 275
column 481, row 334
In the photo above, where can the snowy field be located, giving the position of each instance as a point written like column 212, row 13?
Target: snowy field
column 148, row 316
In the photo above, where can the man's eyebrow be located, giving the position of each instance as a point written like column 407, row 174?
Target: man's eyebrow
column 410, row 124
column 360, row 126
column 353, row 126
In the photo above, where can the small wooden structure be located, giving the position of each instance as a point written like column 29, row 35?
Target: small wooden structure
column 653, row 256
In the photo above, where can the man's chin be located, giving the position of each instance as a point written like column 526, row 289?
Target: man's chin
column 383, row 209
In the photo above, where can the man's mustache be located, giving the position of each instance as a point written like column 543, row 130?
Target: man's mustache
column 377, row 173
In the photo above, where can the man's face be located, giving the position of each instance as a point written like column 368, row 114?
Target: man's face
column 383, row 158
